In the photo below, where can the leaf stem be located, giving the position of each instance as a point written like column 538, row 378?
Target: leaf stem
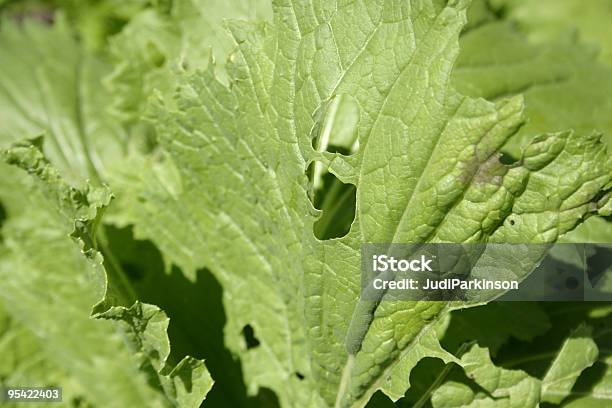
column 114, row 266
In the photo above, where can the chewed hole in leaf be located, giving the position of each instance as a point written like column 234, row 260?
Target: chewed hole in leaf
column 336, row 129
column 335, row 199
column 249, row 337
column 507, row 159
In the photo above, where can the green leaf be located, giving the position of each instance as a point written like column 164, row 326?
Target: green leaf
column 26, row 364
column 68, row 103
column 41, row 218
column 156, row 44
column 598, row 394
column 498, row 387
column 564, row 86
column 578, row 352
column 49, row 288
column 545, row 19
column 231, row 191
column 228, row 186
column 97, row 20
column 594, row 230
column 50, row 85
column 185, row 384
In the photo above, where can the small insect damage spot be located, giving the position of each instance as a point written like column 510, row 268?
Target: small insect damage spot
column 491, row 171
column 485, row 168
column 507, row 159
column 251, row 341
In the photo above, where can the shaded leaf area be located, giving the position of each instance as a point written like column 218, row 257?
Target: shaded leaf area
column 592, row 390
column 564, row 317
column 538, row 353
column 2, row 219
column 494, row 325
column 196, row 312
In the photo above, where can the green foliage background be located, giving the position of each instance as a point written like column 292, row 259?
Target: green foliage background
column 185, row 186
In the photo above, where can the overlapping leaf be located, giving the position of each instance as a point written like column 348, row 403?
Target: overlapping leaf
column 68, row 280
column 499, row 387
column 55, row 88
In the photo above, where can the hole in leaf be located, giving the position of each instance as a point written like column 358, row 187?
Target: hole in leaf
column 507, row 159
column 299, row 375
column 512, row 222
column 335, row 199
column 336, row 129
column 249, row 337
